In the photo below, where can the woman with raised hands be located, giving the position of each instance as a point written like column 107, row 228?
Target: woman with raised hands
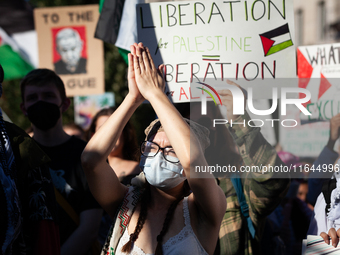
column 165, row 210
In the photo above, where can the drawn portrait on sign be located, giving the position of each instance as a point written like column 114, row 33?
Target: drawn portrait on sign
column 69, row 50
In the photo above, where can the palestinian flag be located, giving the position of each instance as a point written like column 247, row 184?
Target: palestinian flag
column 18, row 40
column 276, row 40
column 109, row 21
column 108, row 25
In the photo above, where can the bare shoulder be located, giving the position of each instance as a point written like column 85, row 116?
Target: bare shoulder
column 131, row 167
column 195, row 210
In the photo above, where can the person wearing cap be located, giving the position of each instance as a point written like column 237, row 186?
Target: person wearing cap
column 165, row 210
column 27, row 200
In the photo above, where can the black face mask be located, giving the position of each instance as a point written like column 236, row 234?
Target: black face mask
column 43, row 115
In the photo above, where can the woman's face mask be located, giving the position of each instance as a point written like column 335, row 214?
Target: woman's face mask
column 160, row 173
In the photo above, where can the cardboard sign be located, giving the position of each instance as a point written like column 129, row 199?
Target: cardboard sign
column 67, row 46
column 198, row 40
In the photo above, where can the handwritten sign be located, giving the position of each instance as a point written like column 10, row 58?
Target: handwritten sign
column 318, row 71
column 67, row 46
column 322, row 110
column 197, row 40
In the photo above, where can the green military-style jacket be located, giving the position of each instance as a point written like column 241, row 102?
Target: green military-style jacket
column 263, row 191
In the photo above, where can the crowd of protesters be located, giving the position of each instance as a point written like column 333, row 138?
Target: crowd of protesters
column 66, row 191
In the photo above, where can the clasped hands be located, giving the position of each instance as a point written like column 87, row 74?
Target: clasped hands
column 145, row 81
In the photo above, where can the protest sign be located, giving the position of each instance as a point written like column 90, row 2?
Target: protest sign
column 86, row 107
column 246, row 40
column 318, row 71
column 67, row 46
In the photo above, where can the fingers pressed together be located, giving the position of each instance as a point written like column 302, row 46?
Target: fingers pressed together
column 332, row 235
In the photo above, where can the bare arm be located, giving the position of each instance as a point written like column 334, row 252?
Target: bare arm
column 83, row 237
column 207, row 194
column 103, row 181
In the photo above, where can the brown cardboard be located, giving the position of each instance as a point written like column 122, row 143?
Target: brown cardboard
column 85, row 76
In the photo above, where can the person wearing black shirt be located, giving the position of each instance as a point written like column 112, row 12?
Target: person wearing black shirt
column 43, row 102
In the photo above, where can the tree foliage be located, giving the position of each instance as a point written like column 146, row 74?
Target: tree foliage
column 115, row 81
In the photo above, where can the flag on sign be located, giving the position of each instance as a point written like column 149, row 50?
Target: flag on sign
column 276, row 40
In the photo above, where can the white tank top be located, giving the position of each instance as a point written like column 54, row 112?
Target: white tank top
column 185, row 242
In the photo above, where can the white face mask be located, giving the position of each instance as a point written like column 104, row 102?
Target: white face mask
column 160, row 173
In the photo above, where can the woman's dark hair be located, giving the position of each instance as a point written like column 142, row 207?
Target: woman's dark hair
column 142, row 216
column 130, row 145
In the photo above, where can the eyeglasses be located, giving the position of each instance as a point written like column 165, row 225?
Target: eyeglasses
column 150, row 149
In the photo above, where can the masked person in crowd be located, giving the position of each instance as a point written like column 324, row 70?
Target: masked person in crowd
column 28, row 205
column 159, row 215
column 69, row 46
column 43, row 102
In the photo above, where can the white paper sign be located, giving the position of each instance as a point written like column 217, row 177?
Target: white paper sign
column 319, row 70
column 199, row 40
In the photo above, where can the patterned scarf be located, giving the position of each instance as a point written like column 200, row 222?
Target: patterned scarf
column 122, row 220
column 7, row 177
